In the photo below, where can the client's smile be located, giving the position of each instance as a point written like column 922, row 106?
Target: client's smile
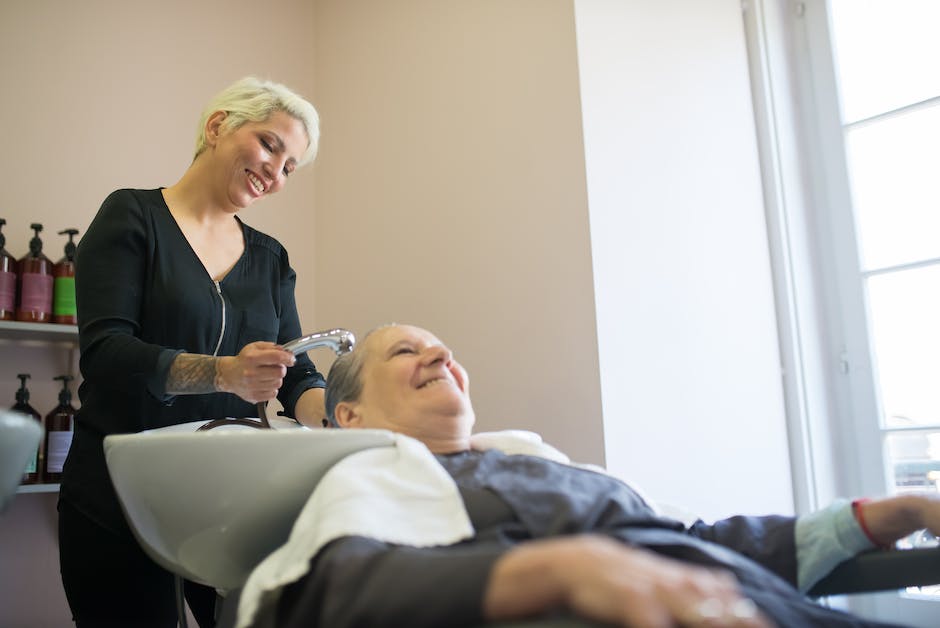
column 433, row 381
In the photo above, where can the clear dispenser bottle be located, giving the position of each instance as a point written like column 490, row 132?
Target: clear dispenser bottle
column 7, row 280
column 35, row 281
column 32, row 473
column 60, row 424
column 63, row 288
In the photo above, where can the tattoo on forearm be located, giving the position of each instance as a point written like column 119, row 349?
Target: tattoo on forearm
column 192, row 374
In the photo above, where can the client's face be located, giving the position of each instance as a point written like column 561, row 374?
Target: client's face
column 412, row 384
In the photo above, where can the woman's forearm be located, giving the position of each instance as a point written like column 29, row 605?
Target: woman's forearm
column 193, row 374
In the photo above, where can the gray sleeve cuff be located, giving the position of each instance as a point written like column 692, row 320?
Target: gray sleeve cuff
column 824, row 539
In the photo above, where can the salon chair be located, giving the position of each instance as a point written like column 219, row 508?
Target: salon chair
column 213, row 528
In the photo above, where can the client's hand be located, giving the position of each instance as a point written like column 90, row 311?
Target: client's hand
column 601, row 579
column 256, row 373
column 891, row 518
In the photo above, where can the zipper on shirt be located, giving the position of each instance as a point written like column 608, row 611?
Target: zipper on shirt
column 218, row 289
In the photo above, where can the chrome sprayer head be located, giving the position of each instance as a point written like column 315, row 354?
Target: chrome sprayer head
column 339, row 340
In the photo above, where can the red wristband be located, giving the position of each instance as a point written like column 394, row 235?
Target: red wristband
column 860, row 518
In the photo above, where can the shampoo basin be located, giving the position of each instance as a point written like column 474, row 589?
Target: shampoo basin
column 210, row 505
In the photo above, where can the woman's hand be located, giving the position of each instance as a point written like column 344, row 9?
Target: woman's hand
column 602, row 579
column 256, row 373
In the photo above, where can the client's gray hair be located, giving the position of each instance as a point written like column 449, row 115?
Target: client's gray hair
column 344, row 383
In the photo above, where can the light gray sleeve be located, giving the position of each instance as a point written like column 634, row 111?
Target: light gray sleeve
column 824, row 539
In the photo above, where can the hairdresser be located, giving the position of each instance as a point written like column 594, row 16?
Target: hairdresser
column 181, row 308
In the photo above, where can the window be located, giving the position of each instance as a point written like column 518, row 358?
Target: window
column 856, row 83
column 885, row 54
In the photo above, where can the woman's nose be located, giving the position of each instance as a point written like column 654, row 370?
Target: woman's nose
column 274, row 171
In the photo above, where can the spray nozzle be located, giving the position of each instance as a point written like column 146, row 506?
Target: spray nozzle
column 65, row 395
column 3, row 238
column 22, row 395
column 70, row 245
column 35, row 245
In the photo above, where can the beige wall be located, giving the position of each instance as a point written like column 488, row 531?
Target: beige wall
column 450, row 193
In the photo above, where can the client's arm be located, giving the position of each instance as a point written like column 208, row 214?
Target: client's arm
column 830, row 536
column 767, row 540
column 362, row 582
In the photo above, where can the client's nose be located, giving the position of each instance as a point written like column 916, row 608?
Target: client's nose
column 438, row 353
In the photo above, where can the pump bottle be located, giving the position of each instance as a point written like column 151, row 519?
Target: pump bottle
column 63, row 288
column 32, row 473
column 59, row 425
column 7, row 280
column 35, row 271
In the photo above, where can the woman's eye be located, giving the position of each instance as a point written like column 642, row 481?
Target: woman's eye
column 266, row 144
column 402, row 350
column 286, row 172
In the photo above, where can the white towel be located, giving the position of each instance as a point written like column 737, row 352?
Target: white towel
column 397, row 494
column 517, row 442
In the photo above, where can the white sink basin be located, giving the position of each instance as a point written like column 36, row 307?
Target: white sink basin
column 19, row 437
column 211, row 505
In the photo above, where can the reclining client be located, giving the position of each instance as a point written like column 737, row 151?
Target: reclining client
column 548, row 538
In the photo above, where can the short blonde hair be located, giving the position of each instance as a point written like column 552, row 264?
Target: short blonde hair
column 254, row 100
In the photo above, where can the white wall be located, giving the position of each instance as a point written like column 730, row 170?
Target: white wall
column 688, row 354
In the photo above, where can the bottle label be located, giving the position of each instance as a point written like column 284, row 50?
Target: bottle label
column 7, row 290
column 63, row 301
column 31, row 465
column 36, row 295
column 58, row 449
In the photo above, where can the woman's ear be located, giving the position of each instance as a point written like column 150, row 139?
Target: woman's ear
column 347, row 415
column 213, row 128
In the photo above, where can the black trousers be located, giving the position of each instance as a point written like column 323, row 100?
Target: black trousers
column 110, row 582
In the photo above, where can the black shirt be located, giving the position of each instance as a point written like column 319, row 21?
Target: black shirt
column 143, row 297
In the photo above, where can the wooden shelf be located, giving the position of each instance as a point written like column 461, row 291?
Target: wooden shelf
column 38, row 332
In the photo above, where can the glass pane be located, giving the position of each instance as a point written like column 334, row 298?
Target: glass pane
column 893, row 167
column 905, row 328
column 915, row 462
column 886, row 54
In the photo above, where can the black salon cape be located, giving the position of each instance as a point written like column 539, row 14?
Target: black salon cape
column 143, row 297
column 361, row 582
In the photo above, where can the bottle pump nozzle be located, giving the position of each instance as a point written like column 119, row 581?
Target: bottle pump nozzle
column 22, row 395
column 35, row 245
column 70, row 245
column 3, row 238
column 65, row 395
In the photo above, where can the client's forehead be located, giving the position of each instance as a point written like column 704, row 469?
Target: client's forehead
column 384, row 338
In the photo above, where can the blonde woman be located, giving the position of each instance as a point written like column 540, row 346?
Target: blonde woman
column 181, row 307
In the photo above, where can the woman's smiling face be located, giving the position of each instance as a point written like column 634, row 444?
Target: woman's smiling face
column 255, row 159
